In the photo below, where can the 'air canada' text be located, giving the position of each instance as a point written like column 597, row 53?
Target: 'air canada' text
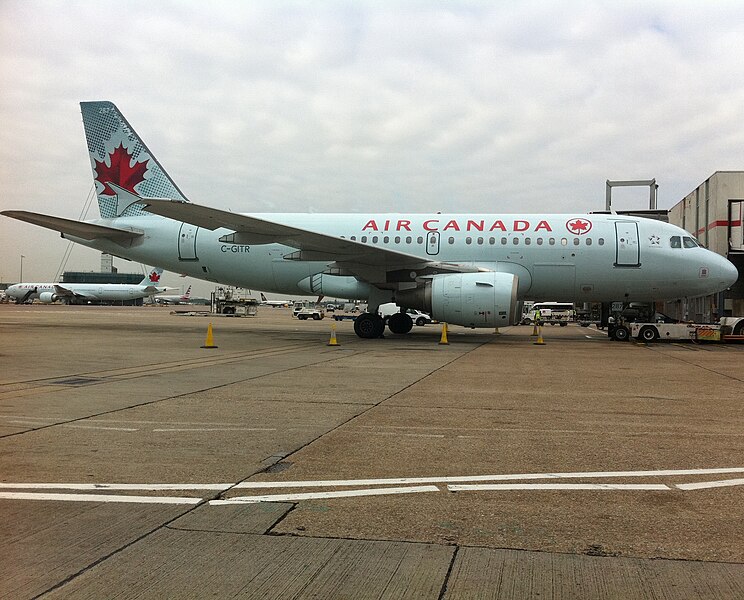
column 457, row 225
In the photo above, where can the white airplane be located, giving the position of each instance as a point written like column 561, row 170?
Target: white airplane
column 86, row 292
column 174, row 299
column 274, row 303
column 465, row 269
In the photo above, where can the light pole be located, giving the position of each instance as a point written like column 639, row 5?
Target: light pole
column 21, row 278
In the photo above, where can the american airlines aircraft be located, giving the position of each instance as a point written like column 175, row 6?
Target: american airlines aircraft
column 85, row 292
column 465, row 269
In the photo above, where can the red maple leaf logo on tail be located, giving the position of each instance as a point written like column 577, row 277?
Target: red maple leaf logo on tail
column 120, row 172
column 154, row 277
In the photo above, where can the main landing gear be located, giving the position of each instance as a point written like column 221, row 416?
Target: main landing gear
column 400, row 322
column 369, row 326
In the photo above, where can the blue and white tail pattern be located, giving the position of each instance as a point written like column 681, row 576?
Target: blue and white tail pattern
column 119, row 156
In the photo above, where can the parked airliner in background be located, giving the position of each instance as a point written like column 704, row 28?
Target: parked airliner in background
column 174, row 299
column 78, row 293
column 466, row 269
column 274, row 303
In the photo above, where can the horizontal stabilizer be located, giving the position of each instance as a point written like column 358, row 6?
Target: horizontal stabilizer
column 80, row 229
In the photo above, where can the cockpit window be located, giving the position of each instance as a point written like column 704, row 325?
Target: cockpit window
column 689, row 242
column 676, row 242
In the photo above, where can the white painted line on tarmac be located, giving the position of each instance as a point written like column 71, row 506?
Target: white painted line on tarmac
column 71, row 426
column 324, row 495
column 710, row 484
column 149, row 487
column 395, row 433
column 97, row 498
column 495, row 487
column 507, row 477
column 189, row 429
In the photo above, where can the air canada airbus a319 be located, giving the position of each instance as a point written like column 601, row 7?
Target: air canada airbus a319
column 465, row 269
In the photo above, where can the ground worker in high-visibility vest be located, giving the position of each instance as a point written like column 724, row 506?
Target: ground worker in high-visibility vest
column 538, row 317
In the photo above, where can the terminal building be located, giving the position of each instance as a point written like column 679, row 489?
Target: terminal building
column 714, row 213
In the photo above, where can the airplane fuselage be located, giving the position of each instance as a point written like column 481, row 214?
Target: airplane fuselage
column 109, row 292
column 594, row 257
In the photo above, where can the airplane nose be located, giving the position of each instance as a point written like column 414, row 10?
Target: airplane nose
column 729, row 272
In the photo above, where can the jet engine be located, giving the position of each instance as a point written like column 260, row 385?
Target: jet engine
column 48, row 297
column 471, row 299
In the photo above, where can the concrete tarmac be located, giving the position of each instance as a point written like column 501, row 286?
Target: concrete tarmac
column 136, row 464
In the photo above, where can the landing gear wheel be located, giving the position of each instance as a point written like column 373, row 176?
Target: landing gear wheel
column 369, row 326
column 648, row 334
column 400, row 323
column 621, row 333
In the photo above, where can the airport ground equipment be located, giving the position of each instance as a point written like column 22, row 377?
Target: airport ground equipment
column 311, row 312
column 231, row 301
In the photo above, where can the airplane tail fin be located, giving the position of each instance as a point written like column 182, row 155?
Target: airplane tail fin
column 263, row 298
column 153, row 278
column 118, row 156
column 187, row 295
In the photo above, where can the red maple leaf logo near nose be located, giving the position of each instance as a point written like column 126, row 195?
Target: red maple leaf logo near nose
column 154, row 277
column 579, row 226
column 120, row 172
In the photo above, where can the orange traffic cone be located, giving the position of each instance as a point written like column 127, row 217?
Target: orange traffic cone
column 333, row 341
column 209, row 342
column 443, row 340
column 539, row 341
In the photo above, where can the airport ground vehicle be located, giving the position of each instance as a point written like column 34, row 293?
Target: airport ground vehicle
column 310, row 312
column 419, row 318
column 553, row 313
column 732, row 326
column 232, row 301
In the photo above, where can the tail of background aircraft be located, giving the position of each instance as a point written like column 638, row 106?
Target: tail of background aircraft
column 187, row 295
column 263, row 298
column 119, row 156
column 153, row 278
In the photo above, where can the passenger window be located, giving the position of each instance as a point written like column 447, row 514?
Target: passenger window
column 451, row 240
column 397, row 239
column 480, row 241
column 353, row 238
column 386, row 239
column 539, row 241
column 503, row 241
column 420, row 240
column 577, row 241
column 588, row 241
column 492, row 241
column 515, row 241
column 551, row 241
column 564, row 242
column 375, row 239
column 675, row 242
column 600, row 241
column 409, row 239
column 689, row 242
column 527, row 241
column 468, row 240
column 364, row 239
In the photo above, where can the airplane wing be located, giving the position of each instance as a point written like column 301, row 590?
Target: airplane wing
column 311, row 245
column 63, row 292
column 86, row 231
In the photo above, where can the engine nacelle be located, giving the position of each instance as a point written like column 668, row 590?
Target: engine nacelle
column 471, row 299
column 47, row 297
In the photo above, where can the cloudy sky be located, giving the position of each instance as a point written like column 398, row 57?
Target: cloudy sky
column 422, row 106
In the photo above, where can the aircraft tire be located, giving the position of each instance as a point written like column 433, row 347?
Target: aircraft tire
column 369, row 326
column 400, row 323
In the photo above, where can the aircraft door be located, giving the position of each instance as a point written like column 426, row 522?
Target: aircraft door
column 187, row 242
column 432, row 243
column 627, row 248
